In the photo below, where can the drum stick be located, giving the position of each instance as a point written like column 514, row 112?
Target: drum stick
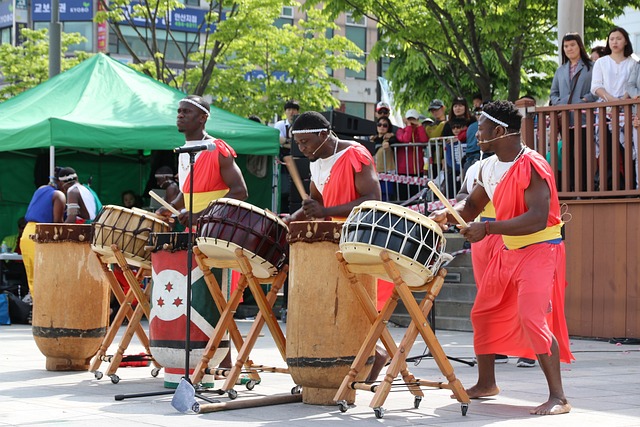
column 164, row 203
column 295, row 176
column 432, row 185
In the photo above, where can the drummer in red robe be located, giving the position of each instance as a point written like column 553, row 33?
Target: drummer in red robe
column 343, row 175
column 342, row 172
column 215, row 173
column 519, row 309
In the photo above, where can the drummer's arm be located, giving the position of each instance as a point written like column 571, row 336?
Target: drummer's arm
column 73, row 205
column 232, row 176
column 299, row 215
column 174, row 197
column 59, row 201
column 367, row 186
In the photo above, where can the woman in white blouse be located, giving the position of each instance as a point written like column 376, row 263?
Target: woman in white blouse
column 611, row 72
column 610, row 76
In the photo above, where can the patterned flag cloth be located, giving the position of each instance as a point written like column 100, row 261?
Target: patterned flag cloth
column 167, row 323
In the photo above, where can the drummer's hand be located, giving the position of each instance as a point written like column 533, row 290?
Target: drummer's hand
column 164, row 213
column 312, row 209
column 184, row 217
column 475, row 232
column 440, row 217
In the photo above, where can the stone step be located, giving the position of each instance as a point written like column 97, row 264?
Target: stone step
column 465, row 292
column 445, row 323
column 455, row 241
column 458, row 309
column 457, row 275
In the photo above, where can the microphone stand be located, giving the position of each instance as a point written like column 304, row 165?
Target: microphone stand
column 185, row 388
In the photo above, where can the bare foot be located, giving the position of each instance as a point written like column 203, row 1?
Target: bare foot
column 477, row 392
column 553, row 406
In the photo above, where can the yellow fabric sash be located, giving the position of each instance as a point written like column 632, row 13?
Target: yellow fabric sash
column 549, row 233
column 489, row 211
column 202, row 200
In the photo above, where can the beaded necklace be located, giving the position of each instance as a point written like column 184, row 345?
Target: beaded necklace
column 493, row 179
column 183, row 160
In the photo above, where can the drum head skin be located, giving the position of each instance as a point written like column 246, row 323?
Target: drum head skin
column 414, row 242
column 229, row 224
column 129, row 230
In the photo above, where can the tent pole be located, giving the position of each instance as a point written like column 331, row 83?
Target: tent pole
column 52, row 162
column 55, row 28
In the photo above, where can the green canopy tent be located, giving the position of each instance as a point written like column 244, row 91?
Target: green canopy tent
column 103, row 117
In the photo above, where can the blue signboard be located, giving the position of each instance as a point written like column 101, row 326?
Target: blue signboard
column 6, row 14
column 70, row 10
column 187, row 19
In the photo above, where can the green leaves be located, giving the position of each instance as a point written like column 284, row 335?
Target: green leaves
column 27, row 65
column 446, row 48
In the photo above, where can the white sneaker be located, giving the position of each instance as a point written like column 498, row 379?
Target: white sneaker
column 523, row 362
column 501, row 358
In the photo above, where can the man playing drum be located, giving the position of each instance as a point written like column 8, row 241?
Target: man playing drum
column 520, row 305
column 82, row 203
column 342, row 172
column 216, row 173
column 343, row 176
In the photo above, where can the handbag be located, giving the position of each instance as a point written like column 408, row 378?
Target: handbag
column 573, row 89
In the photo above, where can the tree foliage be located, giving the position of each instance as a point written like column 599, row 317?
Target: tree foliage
column 244, row 62
column 27, row 65
column 446, row 48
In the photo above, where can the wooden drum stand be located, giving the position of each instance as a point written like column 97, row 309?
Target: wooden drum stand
column 378, row 330
column 135, row 293
column 226, row 322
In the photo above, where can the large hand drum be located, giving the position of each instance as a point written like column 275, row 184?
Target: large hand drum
column 325, row 322
column 228, row 224
column 129, row 229
column 414, row 242
column 71, row 299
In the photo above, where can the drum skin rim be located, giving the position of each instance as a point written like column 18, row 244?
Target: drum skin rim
column 360, row 248
column 136, row 212
column 397, row 210
column 203, row 243
column 249, row 207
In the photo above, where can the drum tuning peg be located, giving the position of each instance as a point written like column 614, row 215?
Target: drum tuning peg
column 309, row 233
column 166, row 247
column 81, row 237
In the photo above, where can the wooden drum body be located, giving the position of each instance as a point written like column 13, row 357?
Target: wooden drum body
column 228, row 224
column 71, row 297
column 326, row 324
column 414, row 242
column 167, row 323
column 129, row 229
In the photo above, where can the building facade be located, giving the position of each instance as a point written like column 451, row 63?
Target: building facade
column 77, row 16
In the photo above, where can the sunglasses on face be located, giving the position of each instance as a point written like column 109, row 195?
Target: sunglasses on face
column 383, row 111
column 383, row 125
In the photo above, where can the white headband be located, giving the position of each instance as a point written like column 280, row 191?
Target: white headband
column 293, row 132
column 493, row 119
column 192, row 102
column 68, row 177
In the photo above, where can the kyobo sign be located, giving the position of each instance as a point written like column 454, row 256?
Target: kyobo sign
column 70, row 10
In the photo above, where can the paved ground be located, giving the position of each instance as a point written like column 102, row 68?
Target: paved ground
column 603, row 386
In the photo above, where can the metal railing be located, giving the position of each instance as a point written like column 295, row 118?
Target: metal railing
column 411, row 166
